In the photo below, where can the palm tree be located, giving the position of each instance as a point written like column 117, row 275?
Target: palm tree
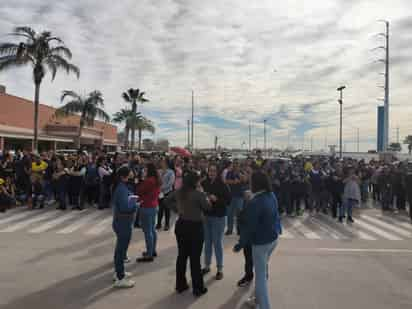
column 89, row 108
column 45, row 53
column 144, row 124
column 134, row 96
column 126, row 116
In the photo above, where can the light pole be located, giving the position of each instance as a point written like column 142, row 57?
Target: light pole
column 193, row 113
column 340, row 89
column 264, row 137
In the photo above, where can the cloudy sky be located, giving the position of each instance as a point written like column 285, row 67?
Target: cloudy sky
column 245, row 60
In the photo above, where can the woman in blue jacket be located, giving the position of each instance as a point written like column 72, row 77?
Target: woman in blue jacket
column 262, row 228
column 124, row 209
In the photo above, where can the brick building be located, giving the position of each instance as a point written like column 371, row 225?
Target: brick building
column 16, row 127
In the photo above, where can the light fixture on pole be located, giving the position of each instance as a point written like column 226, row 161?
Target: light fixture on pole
column 340, row 89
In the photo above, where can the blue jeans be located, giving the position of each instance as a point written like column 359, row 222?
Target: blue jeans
column 214, row 229
column 347, row 207
column 261, row 255
column 148, row 223
column 234, row 209
column 123, row 231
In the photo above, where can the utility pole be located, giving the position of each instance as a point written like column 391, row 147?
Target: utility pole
column 193, row 113
column 250, row 136
column 264, row 137
column 216, row 142
column 188, row 134
column 340, row 89
column 386, row 87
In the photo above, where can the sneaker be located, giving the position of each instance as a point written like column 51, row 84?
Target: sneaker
column 158, row 227
column 127, row 275
column 228, row 233
column 341, row 219
column 205, row 271
column 166, row 228
column 251, row 302
column 124, row 284
column 126, row 260
column 244, row 282
column 219, row 275
column 350, row 220
column 182, row 289
column 200, row 292
column 145, row 259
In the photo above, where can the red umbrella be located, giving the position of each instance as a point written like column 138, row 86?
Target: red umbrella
column 181, row 151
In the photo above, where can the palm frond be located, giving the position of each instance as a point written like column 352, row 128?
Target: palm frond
column 100, row 113
column 11, row 62
column 70, row 108
column 61, row 51
column 126, row 97
column 52, row 67
column 71, row 94
column 50, row 39
column 9, row 48
column 25, row 31
column 65, row 65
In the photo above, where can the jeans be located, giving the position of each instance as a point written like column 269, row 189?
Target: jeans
column 123, row 231
column 189, row 236
column 163, row 209
column 214, row 229
column 148, row 222
column 261, row 256
column 234, row 209
column 347, row 207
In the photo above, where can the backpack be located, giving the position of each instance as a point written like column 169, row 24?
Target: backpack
column 92, row 177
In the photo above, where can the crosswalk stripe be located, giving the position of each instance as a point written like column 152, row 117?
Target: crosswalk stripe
column 100, row 227
column 79, row 223
column 376, row 230
column 17, row 216
column 387, row 226
column 300, row 227
column 357, row 233
column 26, row 223
column 329, row 230
column 53, row 223
column 391, row 220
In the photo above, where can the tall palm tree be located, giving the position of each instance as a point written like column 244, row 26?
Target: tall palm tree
column 44, row 52
column 89, row 107
column 134, row 96
column 126, row 116
column 144, row 124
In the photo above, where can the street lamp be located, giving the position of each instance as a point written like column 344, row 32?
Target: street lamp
column 340, row 89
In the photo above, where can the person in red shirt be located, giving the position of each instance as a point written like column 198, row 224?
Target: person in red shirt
column 148, row 192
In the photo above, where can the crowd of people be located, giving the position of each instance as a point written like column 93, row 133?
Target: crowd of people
column 211, row 196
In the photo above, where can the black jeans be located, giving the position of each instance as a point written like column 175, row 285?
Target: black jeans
column 163, row 210
column 247, row 252
column 336, row 204
column 91, row 194
column 123, row 231
column 189, row 236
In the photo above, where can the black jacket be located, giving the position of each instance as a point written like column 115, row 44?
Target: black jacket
column 221, row 191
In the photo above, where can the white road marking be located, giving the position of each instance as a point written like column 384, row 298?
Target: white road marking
column 387, row 226
column 357, row 233
column 298, row 225
column 26, row 223
column 17, row 216
column 376, row 230
column 405, row 225
column 53, row 223
column 329, row 230
column 100, row 227
column 80, row 223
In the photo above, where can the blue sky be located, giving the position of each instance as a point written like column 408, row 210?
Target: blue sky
column 245, row 60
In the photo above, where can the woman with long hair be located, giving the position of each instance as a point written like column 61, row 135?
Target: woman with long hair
column 191, row 203
column 215, row 222
column 148, row 192
column 262, row 228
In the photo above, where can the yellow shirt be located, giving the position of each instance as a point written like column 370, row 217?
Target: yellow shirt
column 39, row 168
column 308, row 166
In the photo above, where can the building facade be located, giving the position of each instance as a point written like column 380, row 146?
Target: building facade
column 16, row 127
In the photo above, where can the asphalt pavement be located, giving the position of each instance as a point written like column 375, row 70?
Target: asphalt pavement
column 51, row 259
